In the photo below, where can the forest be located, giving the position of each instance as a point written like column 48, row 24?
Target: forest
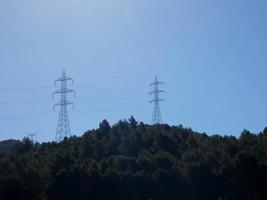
column 131, row 160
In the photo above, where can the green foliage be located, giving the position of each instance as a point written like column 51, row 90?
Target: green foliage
column 131, row 160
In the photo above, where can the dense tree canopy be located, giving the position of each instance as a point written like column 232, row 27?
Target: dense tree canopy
column 131, row 160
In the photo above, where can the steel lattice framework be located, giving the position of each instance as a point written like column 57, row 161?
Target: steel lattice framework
column 63, row 125
column 156, row 117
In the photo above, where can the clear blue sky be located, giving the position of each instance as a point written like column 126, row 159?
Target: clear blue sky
column 212, row 55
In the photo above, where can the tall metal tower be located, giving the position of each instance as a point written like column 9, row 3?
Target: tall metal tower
column 32, row 136
column 63, row 126
column 156, row 117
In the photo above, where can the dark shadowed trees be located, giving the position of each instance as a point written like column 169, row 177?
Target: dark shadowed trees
column 131, row 160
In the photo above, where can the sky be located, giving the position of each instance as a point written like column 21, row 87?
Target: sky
column 211, row 55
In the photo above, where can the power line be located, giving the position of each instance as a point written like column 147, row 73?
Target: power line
column 82, row 99
column 23, row 89
column 22, row 103
column 79, row 86
column 99, row 111
column 24, row 116
column 112, row 89
column 86, row 99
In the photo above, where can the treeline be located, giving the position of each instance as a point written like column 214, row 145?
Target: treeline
column 7, row 144
column 134, row 161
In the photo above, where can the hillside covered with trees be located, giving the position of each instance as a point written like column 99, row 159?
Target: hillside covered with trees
column 134, row 161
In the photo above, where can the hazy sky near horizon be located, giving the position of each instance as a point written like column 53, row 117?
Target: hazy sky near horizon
column 211, row 54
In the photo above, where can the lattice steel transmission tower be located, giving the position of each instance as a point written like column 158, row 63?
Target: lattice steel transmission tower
column 32, row 136
column 63, row 125
column 156, row 117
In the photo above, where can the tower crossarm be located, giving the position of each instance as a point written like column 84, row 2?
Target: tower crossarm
column 65, row 103
column 63, row 91
column 156, row 100
column 156, row 83
column 157, row 91
column 65, row 78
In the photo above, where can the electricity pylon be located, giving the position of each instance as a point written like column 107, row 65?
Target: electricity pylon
column 156, row 117
column 63, row 125
column 32, row 136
